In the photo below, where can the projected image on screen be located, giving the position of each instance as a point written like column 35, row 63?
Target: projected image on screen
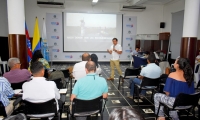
column 90, row 32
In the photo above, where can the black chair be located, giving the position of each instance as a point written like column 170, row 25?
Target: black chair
column 182, row 102
column 129, row 73
column 41, row 110
column 147, row 84
column 46, row 74
column 58, row 82
column 17, row 85
column 2, row 110
column 83, row 108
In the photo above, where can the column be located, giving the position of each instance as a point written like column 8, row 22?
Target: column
column 16, row 31
column 190, row 28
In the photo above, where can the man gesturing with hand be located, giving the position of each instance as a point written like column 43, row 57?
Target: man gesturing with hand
column 115, row 51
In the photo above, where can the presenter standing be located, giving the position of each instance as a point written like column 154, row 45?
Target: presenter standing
column 115, row 51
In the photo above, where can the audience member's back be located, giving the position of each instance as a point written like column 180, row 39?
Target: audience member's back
column 91, row 86
column 79, row 68
column 39, row 89
column 16, row 75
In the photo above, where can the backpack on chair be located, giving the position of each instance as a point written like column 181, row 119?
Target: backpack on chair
column 57, row 74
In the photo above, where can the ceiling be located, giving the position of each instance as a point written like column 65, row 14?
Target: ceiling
column 152, row 2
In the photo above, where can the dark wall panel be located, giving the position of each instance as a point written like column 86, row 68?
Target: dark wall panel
column 4, row 52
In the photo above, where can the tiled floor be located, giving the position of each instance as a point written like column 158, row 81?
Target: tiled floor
column 118, row 98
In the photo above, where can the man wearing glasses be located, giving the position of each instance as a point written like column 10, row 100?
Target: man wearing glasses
column 16, row 75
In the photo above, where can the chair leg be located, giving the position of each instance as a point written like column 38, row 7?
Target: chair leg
column 157, row 112
column 71, row 86
column 138, row 97
column 168, row 114
column 152, row 94
column 101, row 115
column 119, row 82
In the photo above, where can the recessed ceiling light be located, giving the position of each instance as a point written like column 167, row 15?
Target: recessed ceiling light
column 95, row 1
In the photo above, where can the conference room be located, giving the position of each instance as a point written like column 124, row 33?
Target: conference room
column 100, row 59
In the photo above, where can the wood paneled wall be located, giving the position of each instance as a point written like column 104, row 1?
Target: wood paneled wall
column 151, row 45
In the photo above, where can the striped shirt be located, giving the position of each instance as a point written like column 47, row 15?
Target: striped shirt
column 5, row 91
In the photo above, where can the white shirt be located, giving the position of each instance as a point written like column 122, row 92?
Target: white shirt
column 198, row 57
column 115, row 55
column 79, row 70
column 151, row 71
column 39, row 90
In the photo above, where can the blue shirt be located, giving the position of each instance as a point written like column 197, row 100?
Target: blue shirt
column 90, row 87
column 174, row 87
column 151, row 71
column 5, row 91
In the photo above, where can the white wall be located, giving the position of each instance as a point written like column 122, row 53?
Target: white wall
column 168, row 10
column 147, row 21
column 3, row 18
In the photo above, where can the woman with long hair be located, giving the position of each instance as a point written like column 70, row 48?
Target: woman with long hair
column 180, row 81
column 37, row 56
column 94, row 58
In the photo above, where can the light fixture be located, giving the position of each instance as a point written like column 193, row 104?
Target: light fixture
column 95, row 1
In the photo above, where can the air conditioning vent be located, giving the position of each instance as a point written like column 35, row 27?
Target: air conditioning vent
column 132, row 8
column 50, row 4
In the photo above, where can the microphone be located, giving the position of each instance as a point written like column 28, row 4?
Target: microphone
column 114, row 48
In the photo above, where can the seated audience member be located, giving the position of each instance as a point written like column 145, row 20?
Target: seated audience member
column 94, row 58
column 197, row 58
column 16, row 75
column 135, row 52
column 91, row 86
column 146, row 54
column 6, row 92
column 37, row 56
column 79, row 68
column 180, row 81
column 39, row 89
column 125, row 113
column 150, row 71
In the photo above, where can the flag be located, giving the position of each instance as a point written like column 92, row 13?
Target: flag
column 36, row 37
column 44, row 45
column 29, row 51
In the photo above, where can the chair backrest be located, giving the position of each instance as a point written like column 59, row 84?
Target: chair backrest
column 17, row 85
column 58, row 82
column 66, row 73
column 40, row 108
column 150, row 82
column 2, row 110
column 187, row 99
column 79, row 106
column 139, row 61
column 131, row 72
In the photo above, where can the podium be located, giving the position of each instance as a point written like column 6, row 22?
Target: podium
column 47, row 53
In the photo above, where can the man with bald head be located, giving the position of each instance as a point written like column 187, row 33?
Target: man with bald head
column 91, row 86
column 79, row 68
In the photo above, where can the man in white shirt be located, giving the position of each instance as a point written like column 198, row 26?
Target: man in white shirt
column 115, row 51
column 39, row 89
column 79, row 68
column 152, row 71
